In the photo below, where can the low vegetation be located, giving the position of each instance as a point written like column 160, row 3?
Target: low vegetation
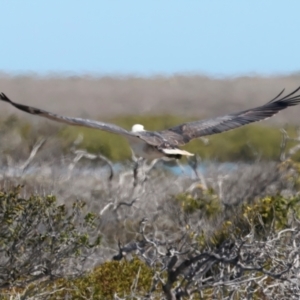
column 246, row 249
column 41, row 240
column 70, row 232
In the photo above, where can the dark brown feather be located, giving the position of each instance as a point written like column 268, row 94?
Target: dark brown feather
column 183, row 133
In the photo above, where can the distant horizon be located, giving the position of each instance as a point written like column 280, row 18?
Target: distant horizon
column 68, row 74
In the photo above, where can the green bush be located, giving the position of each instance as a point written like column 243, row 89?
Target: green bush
column 40, row 239
column 264, row 215
column 114, row 277
column 123, row 279
column 272, row 211
column 207, row 202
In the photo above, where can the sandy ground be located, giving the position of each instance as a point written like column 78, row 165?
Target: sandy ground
column 107, row 97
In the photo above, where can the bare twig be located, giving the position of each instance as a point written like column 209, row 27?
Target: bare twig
column 84, row 154
column 284, row 154
column 33, row 152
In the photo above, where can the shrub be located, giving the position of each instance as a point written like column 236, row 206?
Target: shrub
column 106, row 280
column 40, row 240
column 201, row 201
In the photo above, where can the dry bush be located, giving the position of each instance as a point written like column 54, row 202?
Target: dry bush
column 108, row 97
column 226, row 233
column 201, row 235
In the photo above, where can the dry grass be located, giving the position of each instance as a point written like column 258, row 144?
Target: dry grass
column 107, row 97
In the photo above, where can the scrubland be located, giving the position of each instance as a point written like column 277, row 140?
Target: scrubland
column 81, row 219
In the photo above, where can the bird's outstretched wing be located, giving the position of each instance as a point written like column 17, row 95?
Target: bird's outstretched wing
column 68, row 120
column 183, row 133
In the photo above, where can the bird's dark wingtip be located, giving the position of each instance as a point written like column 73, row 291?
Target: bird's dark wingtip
column 275, row 98
column 288, row 100
column 3, row 97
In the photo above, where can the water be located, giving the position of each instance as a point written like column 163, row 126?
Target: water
column 202, row 168
column 183, row 170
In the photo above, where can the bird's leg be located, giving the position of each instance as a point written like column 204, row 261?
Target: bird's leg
column 193, row 163
column 138, row 165
column 180, row 166
column 135, row 167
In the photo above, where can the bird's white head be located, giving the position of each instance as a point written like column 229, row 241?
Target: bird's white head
column 137, row 128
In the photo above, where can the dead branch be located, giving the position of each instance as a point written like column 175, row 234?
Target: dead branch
column 284, row 154
column 33, row 152
column 84, row 154
column 233, row 264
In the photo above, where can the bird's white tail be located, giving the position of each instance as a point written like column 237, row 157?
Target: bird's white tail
column 177, row 151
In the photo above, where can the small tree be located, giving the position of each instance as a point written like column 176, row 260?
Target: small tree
column 41, row 241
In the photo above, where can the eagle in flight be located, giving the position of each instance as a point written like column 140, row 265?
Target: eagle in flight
column 166, row 143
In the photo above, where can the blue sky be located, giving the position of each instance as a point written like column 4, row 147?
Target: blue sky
column 216, row 38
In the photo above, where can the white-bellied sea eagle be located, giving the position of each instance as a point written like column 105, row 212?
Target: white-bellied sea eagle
column 166, row 143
